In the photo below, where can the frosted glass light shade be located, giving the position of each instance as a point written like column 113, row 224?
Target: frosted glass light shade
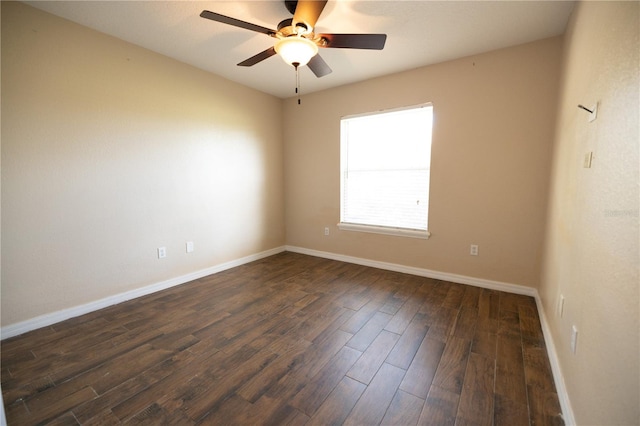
column 296, row 50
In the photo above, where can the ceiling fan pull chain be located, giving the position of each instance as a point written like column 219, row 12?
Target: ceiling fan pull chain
column 296, row 66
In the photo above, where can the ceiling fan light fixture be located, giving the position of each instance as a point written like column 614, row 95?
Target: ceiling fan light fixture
column 296, row 50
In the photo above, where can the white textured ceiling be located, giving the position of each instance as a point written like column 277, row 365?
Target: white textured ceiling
column 418, row 33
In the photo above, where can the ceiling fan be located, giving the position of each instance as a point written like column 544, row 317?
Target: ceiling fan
column 297, row 43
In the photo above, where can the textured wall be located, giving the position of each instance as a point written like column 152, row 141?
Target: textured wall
column 592, row 255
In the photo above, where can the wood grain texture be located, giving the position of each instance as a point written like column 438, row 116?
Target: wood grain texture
column 289, row 340
column 405, row 409
column 477, row 399
column 375, row 400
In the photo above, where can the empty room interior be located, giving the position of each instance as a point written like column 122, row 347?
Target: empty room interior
column 176, row 241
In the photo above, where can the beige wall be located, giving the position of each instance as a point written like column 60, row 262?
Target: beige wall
column 592, row 255
column 110, row 151
column 492, row 138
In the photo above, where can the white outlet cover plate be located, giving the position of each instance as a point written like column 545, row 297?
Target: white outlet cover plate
column 574, row 339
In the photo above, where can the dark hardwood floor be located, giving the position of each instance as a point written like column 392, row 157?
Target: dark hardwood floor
column 290, row 339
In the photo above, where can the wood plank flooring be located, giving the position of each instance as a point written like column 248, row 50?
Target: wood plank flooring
column 290, row 340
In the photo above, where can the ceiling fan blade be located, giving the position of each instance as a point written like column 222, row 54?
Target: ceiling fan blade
column 258, row 58
column 319, row 66
column 308, row 12
column 355, row 41
column 236, row 22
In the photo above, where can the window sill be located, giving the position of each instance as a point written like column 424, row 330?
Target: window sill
column 398, row 232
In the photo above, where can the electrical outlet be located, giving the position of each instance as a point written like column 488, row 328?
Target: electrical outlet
column 162, row 252
column 561, row 306
column 326, row 230
column 574, row 339
column 473, row 251
column 189, row 246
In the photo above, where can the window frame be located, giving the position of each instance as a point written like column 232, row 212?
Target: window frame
column 381, row 229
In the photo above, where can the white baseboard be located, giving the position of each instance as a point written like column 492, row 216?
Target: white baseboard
column 565, row 405
column 558, row 377
column 65, row 314
column 444, row 276
column 3, row 418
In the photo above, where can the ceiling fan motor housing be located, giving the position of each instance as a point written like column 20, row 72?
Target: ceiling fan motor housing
column 286, row 29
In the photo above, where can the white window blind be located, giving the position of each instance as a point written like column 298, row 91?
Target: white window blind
column 385, row 168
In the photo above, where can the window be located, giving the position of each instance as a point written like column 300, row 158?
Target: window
column 385, row 166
